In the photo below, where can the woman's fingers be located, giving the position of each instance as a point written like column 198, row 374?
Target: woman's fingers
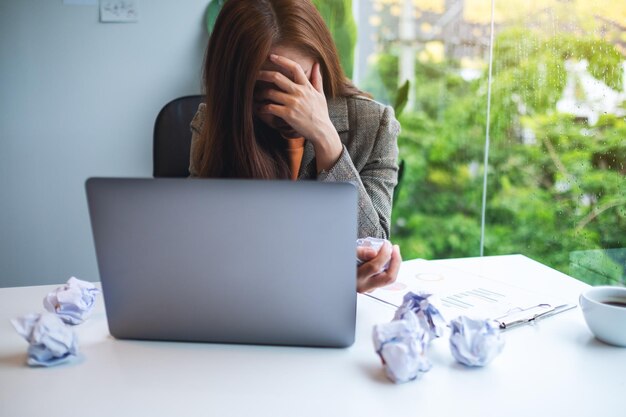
column 278, row 79
column 293, row 67
column 396, row 261
column 306, row 109
column 377, row 264
column 316, row 78
column 384, row 253
column 382, row 280
column 271, row 94
column 277, row 110
column 365, row 254
column 370, row 283
column 369, row 276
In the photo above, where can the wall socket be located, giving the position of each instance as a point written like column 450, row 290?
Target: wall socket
column 118, row 11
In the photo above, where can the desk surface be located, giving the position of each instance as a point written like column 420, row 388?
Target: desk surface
column 554, row 367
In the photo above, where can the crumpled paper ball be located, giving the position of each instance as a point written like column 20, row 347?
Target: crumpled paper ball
column 51, row 342
column 72, row 302
column 428, row 316
column 376, row 244
column 475, row 342
column 401, row 346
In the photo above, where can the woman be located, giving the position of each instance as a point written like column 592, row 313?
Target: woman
column 274, row 83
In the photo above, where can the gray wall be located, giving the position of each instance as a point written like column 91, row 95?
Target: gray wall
column 77, row 99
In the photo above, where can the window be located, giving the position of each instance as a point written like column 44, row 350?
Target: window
column 556, row 178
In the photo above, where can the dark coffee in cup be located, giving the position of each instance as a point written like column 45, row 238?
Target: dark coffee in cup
column 615, row 303
column 604, row 309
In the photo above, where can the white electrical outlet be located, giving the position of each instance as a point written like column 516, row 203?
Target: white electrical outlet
column 118, row 11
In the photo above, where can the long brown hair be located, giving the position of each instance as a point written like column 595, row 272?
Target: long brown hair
column 233, row 143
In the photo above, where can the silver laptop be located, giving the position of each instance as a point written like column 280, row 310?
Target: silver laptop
column 234, row 261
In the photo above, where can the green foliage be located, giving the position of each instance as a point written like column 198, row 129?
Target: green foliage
column 599, row 267
column 402, row 97
column 532, row 66
column 213, row 9
column 562, row 194
column 558, row 195
column 340, row 21
column 382, row 81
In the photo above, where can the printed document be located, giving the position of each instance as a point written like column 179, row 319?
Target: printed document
column 457, row 293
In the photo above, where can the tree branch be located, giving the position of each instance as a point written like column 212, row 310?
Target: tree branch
column 597, row 211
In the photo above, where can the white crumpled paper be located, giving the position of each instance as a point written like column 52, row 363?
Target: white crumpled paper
column 73, row 301
column 428, row 317
column 371, row 242
column 51, row 342
column 475, row 342
column 401, row 346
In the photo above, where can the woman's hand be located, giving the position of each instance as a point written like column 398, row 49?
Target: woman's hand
column 302, row 104
column 369, row 276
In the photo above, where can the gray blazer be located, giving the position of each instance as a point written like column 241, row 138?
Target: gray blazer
column 369, row 133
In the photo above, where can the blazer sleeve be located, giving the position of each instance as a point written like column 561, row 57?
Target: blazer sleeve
column 196, row 130
column 376, row 180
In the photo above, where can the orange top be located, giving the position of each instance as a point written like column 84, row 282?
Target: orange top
column 295, row 150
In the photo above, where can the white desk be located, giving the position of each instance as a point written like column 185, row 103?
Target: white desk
column 554, row 368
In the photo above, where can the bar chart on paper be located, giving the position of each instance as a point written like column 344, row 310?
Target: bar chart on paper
column 456, row 292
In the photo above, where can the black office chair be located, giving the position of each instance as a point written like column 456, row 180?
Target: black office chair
column 172, row 137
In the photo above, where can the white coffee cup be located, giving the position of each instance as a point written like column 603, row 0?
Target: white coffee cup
column 604, row 309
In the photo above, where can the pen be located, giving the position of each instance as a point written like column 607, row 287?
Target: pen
column 516, row 317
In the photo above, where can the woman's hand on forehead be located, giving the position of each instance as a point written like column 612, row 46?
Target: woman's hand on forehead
column 302, row 105
column 271, row 67
column 275, row 79
column 285, row 74
column 291, row 69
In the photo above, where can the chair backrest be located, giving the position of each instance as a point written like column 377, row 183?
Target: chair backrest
column 172, row 137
